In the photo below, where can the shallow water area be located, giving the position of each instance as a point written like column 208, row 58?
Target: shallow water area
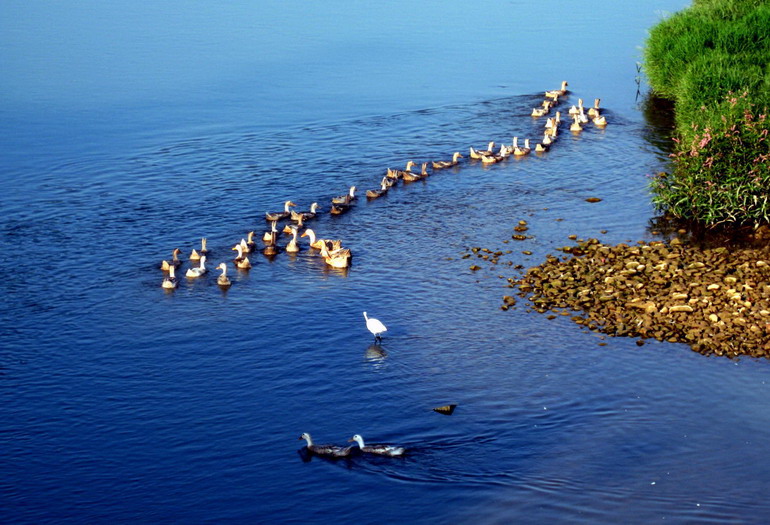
column 124, row 401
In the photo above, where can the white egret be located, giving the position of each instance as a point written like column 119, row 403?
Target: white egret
column 375, row 327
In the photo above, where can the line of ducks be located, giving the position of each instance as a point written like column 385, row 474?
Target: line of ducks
column 332, row 251
column 336, row 451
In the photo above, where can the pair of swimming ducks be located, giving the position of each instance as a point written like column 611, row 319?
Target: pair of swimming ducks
column 336, row 451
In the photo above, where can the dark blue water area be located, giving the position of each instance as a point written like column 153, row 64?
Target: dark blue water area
column 124, row 402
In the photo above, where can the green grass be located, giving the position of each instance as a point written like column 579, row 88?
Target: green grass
column 713, row 61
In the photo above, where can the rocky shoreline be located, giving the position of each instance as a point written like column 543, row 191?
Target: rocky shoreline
column 717, row 300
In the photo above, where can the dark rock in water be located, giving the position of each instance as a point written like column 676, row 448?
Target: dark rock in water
column 593, row 199
column 447, row 410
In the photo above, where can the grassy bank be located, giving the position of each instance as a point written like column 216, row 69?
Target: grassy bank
column 713, row 61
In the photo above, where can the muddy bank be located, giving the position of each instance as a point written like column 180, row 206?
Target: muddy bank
column 716, row 300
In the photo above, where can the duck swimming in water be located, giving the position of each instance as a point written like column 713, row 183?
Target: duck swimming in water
column 339, row 258
column 200, row 271
column 410, row 176
column 175, row 262
column 477, row 154
column 223, row 280
column 384, row 186
column 399, row 174
column 558, row 92
column 272, row 235
column 575, row 126
column 441, row 164
column 331, row 245
column 520, row 151
column 595, row 111
column 575, row 110
column 293, row 246
column 600, row 121
column 280, row 215
column 291, row 227
column 333, row 451
column 347, row 198
column 170, row 282
column 248, row 245
column 196, row 256
column 298, row 216
column 380, row 450
column 241, row 261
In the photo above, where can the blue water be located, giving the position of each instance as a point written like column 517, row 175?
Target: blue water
column 130, row 130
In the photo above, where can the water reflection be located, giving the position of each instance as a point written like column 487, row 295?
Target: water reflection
column 376, row 354
column 659, row 116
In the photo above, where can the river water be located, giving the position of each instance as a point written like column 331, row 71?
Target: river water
column 130, row 130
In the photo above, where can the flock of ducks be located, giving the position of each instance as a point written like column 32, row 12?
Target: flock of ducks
column 579, row 116
column 331, row 250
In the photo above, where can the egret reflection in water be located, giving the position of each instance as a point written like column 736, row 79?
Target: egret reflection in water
column 375, row 354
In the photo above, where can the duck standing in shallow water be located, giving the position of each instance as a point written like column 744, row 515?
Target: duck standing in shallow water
column 223, row 280
column 380, row 450
column 333, row 451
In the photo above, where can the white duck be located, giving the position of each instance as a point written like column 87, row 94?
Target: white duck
column 200, row 271
column 292, row 246
column 380, row 450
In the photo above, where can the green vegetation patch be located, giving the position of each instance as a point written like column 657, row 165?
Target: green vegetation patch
column 713, row 61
